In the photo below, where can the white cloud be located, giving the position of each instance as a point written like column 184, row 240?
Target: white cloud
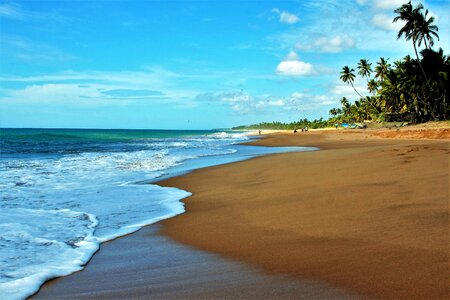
column 292, row 56
column 311, row 103
column 384, row 21
column 328, row 44
column 292, row 66
column 286, row 17
column 348, row 26
column 345, row 90
column 278, row 102
column 388, row 4
column 242, row 102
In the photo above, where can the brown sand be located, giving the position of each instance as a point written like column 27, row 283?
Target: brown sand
column 367, row 214
column 146, row 265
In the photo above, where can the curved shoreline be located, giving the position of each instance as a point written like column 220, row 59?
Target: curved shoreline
column 367, row 214
column 265, row 233
column 243, row 156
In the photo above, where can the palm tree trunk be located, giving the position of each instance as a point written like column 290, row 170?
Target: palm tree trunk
column 356, row 90
column 362, row 98
column 420, row 64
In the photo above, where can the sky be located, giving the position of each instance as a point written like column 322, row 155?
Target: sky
column 189, row 64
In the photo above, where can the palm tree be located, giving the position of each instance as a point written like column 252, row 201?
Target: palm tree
column 345, row 104
column 333, row 112
column 414, row 27
column 426, row 30
column 382, row 69
column 412, row 18
column 372, row 86
column 437, row 66
column 348, row 76
column 364, row 68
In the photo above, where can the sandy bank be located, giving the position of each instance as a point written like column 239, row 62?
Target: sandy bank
column 368, row 214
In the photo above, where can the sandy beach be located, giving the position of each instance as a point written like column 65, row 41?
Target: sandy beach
column 367, row 215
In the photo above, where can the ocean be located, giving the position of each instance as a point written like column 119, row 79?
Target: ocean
column 65, row 191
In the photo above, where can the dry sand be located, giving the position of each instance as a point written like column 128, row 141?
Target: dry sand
column 367, row 214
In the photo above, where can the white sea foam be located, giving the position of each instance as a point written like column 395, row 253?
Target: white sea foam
column 56, row 209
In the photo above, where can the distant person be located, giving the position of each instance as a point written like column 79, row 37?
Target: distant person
column 336, row 125
column 295, row 130
column 306, row 128
column 260, row 132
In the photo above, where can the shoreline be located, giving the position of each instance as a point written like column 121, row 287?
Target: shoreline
column 175, row 228
column 315, row 228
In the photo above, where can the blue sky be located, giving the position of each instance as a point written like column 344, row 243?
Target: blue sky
column 188, row 65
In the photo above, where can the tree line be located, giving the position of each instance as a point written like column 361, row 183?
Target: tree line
column 413, row 89
column 416, row 88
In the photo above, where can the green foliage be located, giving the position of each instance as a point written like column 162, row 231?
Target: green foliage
column 417, row 88
column 414, row 87
column 320, row 123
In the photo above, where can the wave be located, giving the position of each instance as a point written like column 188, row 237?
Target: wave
column 89, row 196
column 228, row 135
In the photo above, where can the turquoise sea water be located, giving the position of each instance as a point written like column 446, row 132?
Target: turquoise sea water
column 64, row 191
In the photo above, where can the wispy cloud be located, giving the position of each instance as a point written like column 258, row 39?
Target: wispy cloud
column 11, row 11
column 343, row 26
column 242, row 102
column 296, row 102
column 95, row 88
column 285, row 16
column 388, row 4
column 328, row 44
column 19, row 12
column 31, row 51
column 384, row 21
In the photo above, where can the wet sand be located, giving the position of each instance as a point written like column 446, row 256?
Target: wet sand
column 147, row 265
column 365, row 216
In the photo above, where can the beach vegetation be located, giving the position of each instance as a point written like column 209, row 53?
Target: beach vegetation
column 412, row 89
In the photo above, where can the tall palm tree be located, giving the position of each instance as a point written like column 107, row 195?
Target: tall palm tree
column 364, row 68
column 426, row 31
column 382, row 69
column 413, row 19
column 348, row 76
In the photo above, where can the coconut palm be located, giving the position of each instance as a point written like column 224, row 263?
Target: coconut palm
column 372, row 86
column 382, row 69
column 426, row 31
column 345, row 104
column 348, row 76
column 364, row 68
column 333, row 112
column 437, row 66
column 414, row 20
